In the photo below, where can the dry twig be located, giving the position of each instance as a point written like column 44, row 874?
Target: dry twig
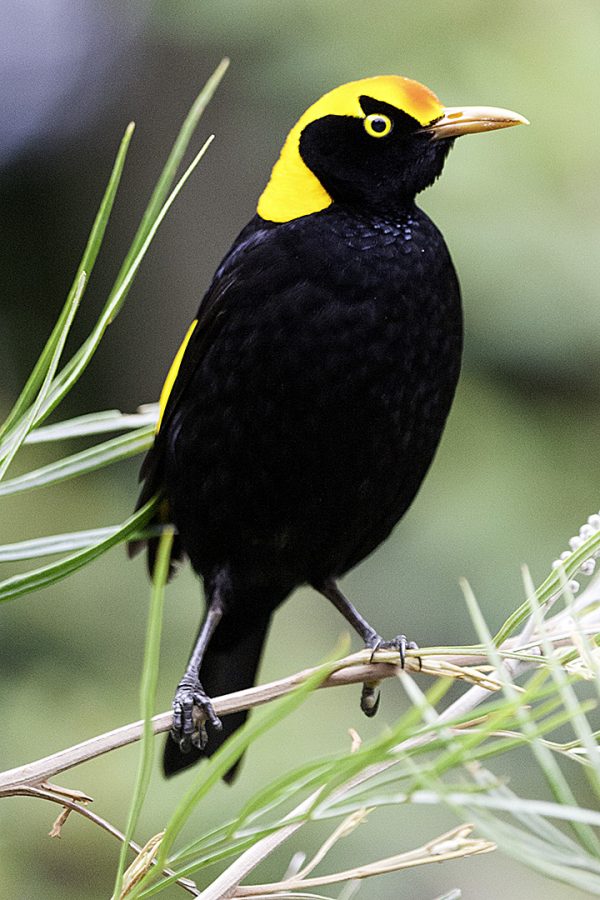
column 353, row 669
column 468, row 664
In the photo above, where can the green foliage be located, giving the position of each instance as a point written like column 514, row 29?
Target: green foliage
column 148, row 687
column 46, row 388
column 425, row 759
column 29, row 394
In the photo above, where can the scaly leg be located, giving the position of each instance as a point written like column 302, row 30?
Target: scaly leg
column 189, row 691
column 369, row 700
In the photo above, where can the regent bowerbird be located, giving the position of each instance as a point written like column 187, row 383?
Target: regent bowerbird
column 309, row 395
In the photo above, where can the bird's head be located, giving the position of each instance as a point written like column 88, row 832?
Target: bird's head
column 373, row 143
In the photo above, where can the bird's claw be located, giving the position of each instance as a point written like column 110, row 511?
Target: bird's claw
column 186, row 730
column 369, row 698
column 399, row 643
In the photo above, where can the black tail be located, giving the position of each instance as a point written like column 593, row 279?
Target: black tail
column 228, row 665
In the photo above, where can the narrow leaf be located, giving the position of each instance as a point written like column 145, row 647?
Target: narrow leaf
column 155, row 212
column 88, row 259
column 147, row 698
column 36, row 579
column 230, row 752
column 55, row 543
column 82, row 463
column 27, row 422
column 79, row 362
column 94, row 423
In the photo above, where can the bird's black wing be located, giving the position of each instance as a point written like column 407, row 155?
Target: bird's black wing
column 210, row 315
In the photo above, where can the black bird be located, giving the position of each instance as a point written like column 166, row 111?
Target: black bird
column 308, row 398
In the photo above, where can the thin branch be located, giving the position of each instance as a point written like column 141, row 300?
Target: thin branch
column 27, row 780
column 476, row 694
column 62, row 797
column 352, row 670
column 349, row 824
column 466, row 664
column 455, row 844
column 226, row 884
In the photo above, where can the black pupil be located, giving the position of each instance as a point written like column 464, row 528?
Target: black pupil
column 378, row 125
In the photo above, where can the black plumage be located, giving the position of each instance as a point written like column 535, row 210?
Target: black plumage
column 310, row 399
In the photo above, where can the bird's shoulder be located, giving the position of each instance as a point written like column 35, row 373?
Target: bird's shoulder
column 335, row 249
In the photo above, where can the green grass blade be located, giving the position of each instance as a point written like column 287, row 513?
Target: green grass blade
column 55, row 543
column 36, row 579
column 27, row 421
column 556, row 780
column 226, row 756
column 324, row 772
column 148, row 687
column 157, row 207
column 82, row 463
column 203, row 861
column 88, row 259
column 559, row 811
column 542, row 856
column 551, row 586
column 167, row 176
column 458, row 748
column 94, row 423
column 66, row 542
column 79, row 362
column 579, row 721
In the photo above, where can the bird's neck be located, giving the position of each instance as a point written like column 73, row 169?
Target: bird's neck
column 393, row 212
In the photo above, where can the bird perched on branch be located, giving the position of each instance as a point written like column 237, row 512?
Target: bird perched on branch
column 308, row 397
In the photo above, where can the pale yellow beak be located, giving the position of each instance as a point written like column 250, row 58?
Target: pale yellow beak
column 457, row 120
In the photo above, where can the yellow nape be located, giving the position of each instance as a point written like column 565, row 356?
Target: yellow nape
column 172, row 375
column 293, row 190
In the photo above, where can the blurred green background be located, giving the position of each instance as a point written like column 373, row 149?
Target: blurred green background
column 515, row 475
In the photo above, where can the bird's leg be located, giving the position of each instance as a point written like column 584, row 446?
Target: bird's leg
column 369, row 700
column 189, row 691
column 330, row 590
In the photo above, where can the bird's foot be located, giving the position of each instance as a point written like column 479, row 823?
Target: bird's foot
column 187, row 730
column 399, row 643
column 370, row 696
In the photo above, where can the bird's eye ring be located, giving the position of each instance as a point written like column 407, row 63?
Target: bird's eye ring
column 377, row 125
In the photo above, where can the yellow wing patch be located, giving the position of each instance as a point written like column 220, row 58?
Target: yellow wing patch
column 293, row 190
column 172, row 375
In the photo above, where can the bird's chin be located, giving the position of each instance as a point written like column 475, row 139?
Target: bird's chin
column 430, row 162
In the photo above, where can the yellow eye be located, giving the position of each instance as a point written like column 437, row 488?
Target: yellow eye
column 377, row 125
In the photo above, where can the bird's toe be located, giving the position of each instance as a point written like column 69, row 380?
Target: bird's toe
column 187, row 731
column 401, row 644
